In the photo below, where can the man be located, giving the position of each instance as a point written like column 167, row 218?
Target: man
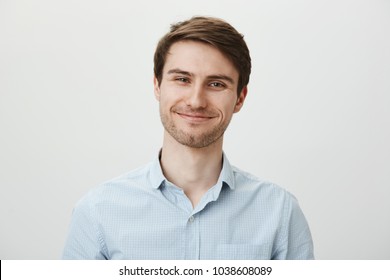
column 190, row 203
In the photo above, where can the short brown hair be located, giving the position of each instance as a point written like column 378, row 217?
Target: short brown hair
column 212, row 31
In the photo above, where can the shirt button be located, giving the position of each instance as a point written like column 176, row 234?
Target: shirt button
column 191, row 219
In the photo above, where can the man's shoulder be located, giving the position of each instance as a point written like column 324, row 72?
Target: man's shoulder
column 129, row 178
column 246, row 181
column 262, row 193
column 126, row 184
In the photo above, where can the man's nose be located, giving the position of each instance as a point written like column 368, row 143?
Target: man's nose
column 197, row 97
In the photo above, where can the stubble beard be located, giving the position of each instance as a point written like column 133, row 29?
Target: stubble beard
column 193, row 139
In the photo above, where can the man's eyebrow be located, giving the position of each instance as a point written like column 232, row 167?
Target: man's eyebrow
column 179, row 71
column 210, row 77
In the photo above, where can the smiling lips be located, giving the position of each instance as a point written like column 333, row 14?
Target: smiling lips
column 194, row 117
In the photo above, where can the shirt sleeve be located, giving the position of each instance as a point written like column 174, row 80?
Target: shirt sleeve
column 297, row 242
column 84, row 240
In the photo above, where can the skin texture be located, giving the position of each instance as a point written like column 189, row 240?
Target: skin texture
column 198, row 97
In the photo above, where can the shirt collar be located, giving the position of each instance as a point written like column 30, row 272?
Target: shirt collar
column 227, row 175
column 157, row 177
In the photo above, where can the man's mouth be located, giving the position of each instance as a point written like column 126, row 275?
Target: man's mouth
column 195, row 117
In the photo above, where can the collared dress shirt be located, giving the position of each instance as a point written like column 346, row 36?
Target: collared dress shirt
column 141, row 215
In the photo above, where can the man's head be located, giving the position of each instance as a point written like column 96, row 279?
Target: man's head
column 214, row 32
column 202, row 70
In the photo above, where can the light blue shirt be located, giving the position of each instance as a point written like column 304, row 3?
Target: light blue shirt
column 141, row 215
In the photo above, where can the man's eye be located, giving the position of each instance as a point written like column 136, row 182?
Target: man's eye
column 182, row 80
column 217, row 85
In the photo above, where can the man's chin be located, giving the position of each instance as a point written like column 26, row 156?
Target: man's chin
column 197, row 141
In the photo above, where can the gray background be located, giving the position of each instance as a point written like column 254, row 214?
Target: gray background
column 77, row 108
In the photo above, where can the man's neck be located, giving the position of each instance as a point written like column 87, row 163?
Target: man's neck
column 195, row 170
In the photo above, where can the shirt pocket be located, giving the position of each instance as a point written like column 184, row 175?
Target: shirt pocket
column 243, row 252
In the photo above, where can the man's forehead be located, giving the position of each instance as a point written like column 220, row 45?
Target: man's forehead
column 191, row 56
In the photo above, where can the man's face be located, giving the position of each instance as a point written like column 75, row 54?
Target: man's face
column 197, row 94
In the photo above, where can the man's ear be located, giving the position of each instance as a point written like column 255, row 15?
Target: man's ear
column 241, row 99
column 156, row 88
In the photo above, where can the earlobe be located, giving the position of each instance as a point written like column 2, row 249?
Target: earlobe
column 241, row 99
